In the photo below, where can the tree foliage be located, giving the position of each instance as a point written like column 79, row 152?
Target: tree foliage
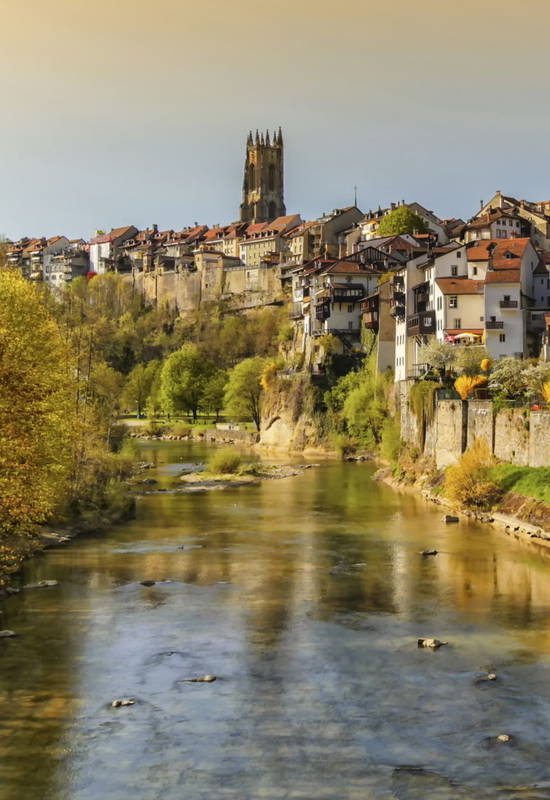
column 37, row 405
column 184, row 378
column 243, row 391
column 401, row 220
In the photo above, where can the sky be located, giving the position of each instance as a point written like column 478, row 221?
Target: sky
column 122, row 112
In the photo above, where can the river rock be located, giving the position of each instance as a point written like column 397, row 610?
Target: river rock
column 124, row 701
column 147, row 583
column 202, row 679
column 428, row 552
column 504, row 737
column 41, row 585
column 449, row 518
column 7, row 634
column 433, row 643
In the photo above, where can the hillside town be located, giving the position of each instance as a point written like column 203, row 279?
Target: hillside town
column 399, row 272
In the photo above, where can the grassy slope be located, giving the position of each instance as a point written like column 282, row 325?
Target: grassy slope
column 527, row 481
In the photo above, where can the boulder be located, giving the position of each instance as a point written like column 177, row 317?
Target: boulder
column 124, row 701
column 7, row 634
column 428, row 552
column 41, row 585
column 202, row 679
column 449, row 518
column 433, row 643
column 148, row 583
column 504, row 737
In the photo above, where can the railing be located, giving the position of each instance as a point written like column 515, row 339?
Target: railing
column 398, row 282
column 398, row 311
column 344, row 297
column 494, row 325
column 370, row 319
column 398, row 297
column 508, row 303
column 295, row 311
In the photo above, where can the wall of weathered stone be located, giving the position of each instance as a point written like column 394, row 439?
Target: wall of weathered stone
column 451, row 420
column 480, row 422
column 539, row 439
column 512, row 436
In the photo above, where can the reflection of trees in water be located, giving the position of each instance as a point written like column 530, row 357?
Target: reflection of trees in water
column 38, row 699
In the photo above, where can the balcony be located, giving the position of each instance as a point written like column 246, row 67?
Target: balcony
column 398, row 311
column 421, row 324
column 342, row 296
column 399, row 298
column 508, row 304
column 295, row 311
column 494, row 325
column 398, row 282
column 370, row 320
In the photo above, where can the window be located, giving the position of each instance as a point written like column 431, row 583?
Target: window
column 459, row 254
column 474, row 270
column 454, row 270
column 453, row 301
column 502, row 337
column 350, row 308
column 481, row 319
column 458, row 322
column 350, row 325
column 506, row 298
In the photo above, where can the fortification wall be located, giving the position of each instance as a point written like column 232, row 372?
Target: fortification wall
column 512, row 436
column 480, row 422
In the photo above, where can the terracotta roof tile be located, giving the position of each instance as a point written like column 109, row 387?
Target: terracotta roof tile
column 460, row 286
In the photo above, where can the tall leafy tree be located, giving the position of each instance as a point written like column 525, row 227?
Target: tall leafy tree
column 401, row 220
column 243, row 391
column 185, row 375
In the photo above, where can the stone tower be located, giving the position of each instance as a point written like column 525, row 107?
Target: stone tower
column 263, row 185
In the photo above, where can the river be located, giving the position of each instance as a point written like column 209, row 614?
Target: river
column 305, row 597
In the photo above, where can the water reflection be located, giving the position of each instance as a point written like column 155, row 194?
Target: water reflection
column 305, row 597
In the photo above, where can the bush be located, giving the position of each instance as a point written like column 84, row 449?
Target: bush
column 343, row 445
column 224, row 462
column 180, row 429
column 390, row 445
column 469, row 483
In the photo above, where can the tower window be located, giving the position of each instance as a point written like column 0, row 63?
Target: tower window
column 251, row 177
column 271, row 177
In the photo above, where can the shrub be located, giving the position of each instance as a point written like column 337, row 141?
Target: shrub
column 469, row 483
column 343, row 445
column 225, row 462
column 180, row 429
column 466, row 384
column 546, row 392
column 390, row 445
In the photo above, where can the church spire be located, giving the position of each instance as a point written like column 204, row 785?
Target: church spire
column 268, row 143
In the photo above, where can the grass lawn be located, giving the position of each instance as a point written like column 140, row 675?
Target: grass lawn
column 528, row 481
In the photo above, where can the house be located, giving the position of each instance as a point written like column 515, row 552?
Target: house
column 496, row 224
column 105, row 248
column 262, row 238
column 72, row 262
column 536, row 213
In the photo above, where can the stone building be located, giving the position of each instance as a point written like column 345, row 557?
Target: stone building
column 263, row 185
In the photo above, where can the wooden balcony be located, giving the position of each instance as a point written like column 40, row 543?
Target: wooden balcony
column 494, row 325
column 508, row 304
column 421, row 324
column 370, row 320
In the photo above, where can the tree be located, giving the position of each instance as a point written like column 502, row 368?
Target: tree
column 214, row 390
column 37, row 396
column 439, row 355
column 507, row 380
column 401, row 220
column 138, row 386
column 185, row 375
column 243, row 391
column 469, row 359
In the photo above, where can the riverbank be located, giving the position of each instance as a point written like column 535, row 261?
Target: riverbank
column 524, row 518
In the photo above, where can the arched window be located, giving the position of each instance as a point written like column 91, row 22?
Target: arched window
column 251, row 177
column 271, row 177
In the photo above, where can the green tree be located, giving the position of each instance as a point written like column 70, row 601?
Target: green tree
column 214, row 392
column 185, row 375
column 401, row 220
column 36, row 407
column 138, row 386
column 243, row 390
column 441, row 356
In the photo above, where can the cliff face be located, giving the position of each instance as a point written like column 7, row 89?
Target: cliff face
column 288, row 419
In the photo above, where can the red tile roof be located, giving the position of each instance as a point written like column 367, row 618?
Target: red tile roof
column 460, row 286
column 503, row 276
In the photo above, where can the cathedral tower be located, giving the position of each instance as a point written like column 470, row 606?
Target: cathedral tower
column 263, row 189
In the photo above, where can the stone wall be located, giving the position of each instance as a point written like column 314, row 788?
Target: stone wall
column 480, row 422
column 518, row 436
column 451, row 425
column 512, row 436
column 539, row 439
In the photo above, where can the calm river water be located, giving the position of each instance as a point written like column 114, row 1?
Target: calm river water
column 305, row 597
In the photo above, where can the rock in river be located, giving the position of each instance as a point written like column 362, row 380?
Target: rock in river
column 41, row 585
column 448, row 518
column 201, row 679
column 428, row 552
column 433, row 643
column 124, row 701
column 7, row 635
column 148, row 583
column 504, row 737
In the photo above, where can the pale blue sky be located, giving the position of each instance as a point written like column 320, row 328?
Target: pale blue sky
column 137, row 113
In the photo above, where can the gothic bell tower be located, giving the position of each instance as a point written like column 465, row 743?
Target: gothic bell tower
column 263, row 185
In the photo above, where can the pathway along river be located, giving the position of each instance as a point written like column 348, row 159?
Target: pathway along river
column 305, row 597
